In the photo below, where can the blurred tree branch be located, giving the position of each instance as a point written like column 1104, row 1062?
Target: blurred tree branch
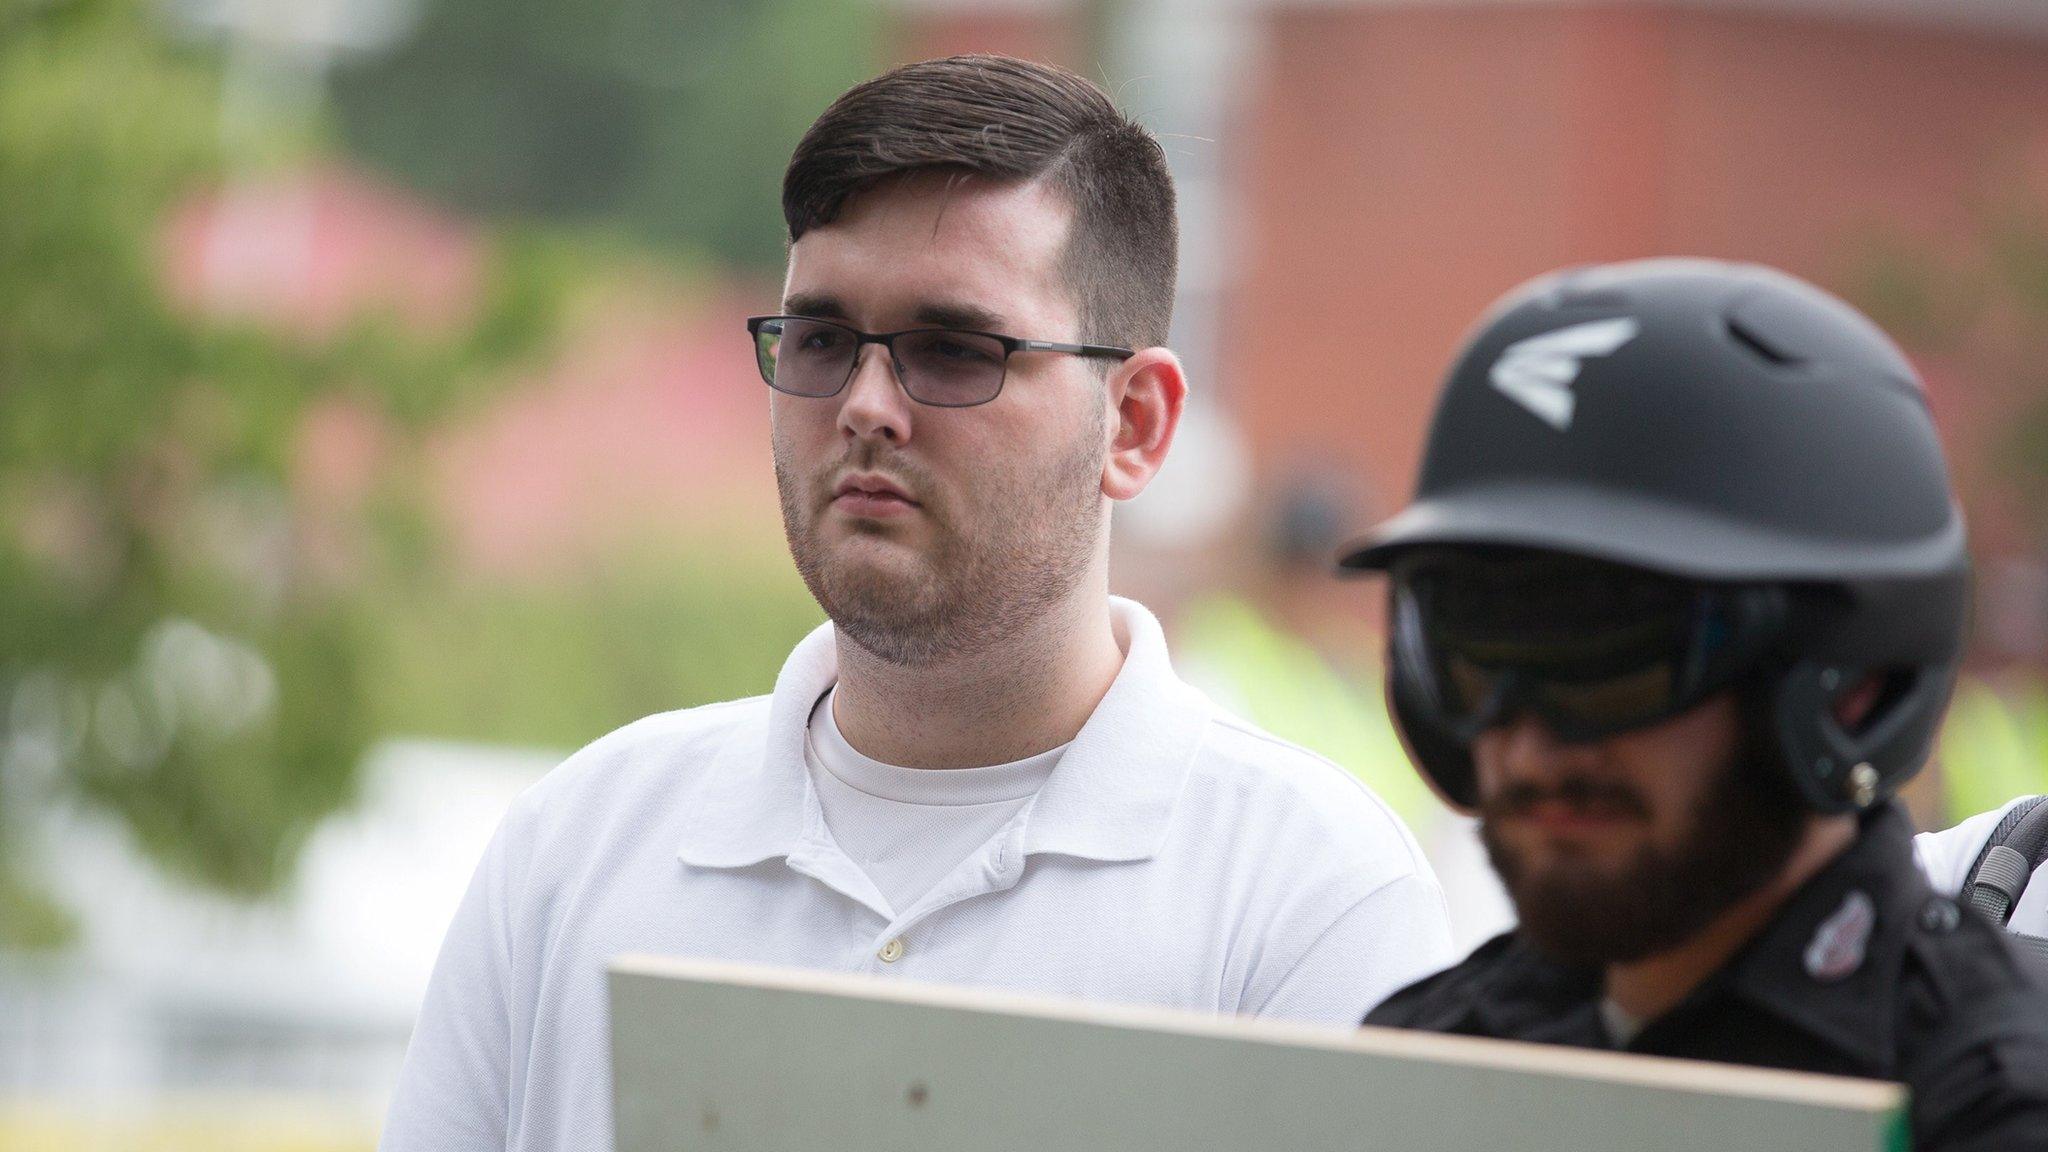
column 167, row 652
column 671, row 118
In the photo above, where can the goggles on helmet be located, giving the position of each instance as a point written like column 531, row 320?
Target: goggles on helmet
column 1481, row 635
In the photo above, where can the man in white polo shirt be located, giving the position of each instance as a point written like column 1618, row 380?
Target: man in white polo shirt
column 984, row 769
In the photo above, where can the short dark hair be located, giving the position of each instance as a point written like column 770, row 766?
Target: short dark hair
column 1011, row 120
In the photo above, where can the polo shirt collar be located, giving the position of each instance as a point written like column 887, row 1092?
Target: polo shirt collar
column 1112, row 795
column 749, row 805
column 1110, row 798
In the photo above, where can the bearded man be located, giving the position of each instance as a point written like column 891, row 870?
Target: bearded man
column 1676, row 610
column 983, row 769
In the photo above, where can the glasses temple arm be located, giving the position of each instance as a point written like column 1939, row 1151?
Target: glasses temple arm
column 1074, row 349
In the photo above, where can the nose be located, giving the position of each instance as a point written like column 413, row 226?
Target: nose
column 1523, row 747
column 874, row 406
column 1529, row 740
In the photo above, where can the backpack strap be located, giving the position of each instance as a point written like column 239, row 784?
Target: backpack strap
column 2003, row 866
column 2034, row 946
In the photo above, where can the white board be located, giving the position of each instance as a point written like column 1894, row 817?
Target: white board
column 716, row 1057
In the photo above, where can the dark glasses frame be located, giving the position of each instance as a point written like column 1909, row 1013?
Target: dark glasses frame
column 758, row 326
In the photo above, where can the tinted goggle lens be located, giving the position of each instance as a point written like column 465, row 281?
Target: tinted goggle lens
column 1605, row 703
column 1589, row 660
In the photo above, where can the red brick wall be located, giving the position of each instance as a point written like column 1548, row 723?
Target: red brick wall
column 1401, row 167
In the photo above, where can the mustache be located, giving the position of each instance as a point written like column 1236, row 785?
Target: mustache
column 1523, row 797
column 870, row 456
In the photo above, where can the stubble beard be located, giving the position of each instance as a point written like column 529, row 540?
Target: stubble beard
column 988, row 575
column 1744, row 831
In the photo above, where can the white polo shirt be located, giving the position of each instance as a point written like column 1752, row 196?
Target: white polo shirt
column 1175, row 856
column 1946, row 857
column 907, row 828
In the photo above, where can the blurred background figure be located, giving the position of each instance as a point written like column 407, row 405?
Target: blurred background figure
column 376, row 421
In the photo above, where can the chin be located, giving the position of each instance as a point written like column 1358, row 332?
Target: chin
column 876, row 563
column 879, row 577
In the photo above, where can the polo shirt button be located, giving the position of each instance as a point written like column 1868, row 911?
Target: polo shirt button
column 892, row 951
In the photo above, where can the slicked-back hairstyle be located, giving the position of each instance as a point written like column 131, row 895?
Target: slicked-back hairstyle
column 1011, row 121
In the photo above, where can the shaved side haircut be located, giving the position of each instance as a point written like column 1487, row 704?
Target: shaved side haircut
column 1011, row 121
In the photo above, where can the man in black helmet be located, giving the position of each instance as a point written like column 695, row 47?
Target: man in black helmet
column 1675, row 611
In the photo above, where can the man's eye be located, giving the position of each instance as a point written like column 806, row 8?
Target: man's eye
column 955, row 350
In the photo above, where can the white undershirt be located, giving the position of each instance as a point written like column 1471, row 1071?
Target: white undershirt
column 908, row 827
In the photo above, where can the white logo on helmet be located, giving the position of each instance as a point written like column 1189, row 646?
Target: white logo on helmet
column 1537, row 373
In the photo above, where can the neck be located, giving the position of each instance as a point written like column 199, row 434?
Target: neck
column 1031, row 693
column 1650, row 987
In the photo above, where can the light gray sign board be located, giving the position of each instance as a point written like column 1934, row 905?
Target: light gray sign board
column 715, row 1057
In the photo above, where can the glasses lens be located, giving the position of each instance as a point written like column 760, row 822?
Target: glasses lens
column 950, row 369
column 805, row 357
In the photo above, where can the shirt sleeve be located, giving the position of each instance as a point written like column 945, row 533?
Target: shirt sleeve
column 1387, row 940
column 453, row 1091
column 1946, row 856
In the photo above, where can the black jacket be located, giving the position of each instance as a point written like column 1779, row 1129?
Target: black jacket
column 1934, row 996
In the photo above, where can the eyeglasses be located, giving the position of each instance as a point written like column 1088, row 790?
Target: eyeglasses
column 943, row 367
column 1592, row 650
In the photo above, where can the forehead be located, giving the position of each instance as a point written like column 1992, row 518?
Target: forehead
column 934, row 242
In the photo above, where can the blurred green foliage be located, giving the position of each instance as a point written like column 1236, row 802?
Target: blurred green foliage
column 555, row 664
column 1994, row 744
column 675, row 117
column 166, row 651
column 1981, row 306
column 1913, row 295
column 2017, row 243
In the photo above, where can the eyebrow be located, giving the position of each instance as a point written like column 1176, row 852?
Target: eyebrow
column 934, row 315
column 822, row 307
column 959, row 316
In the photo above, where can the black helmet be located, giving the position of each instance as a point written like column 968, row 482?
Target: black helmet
column 1721, row 424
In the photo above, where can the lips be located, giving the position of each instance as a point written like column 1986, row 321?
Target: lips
column 871, row 485
column 872, row 495
column 1564, row 816
column 1572, row 806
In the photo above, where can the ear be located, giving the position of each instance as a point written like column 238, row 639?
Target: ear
column 1146, row 394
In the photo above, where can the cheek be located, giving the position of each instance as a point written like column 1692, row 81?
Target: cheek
column 796, row 419
column 1674, row 805
column 1009, row 467
column 1486, row 753
column 1675, row 765
column 984, row 454
column 1673, row 786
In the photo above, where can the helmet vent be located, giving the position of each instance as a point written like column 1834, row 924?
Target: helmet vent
column 1763, row 349
column 1574, row 296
